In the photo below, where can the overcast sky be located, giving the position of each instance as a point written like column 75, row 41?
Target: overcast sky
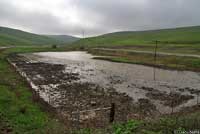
column 97, row 16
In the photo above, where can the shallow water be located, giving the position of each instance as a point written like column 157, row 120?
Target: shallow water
column 126, row 78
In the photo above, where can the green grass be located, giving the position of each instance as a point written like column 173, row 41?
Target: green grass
column 17, row 108
column 179, row 40
column 13, row 37
column 182, row 40
column 64, row 38
column 165, row 125
column 169, row 62
column 186, row 35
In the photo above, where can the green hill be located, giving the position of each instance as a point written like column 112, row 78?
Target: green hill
column 63, row 38
column 14, row 37
column 185, row 35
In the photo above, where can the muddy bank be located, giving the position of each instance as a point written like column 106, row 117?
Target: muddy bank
column 69, row 96
column 171, row 99
column 82, row 89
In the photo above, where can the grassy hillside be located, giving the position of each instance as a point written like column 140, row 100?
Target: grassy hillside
column 63, row 38
column 16, row 37
column 186, row 35
column 123, row 47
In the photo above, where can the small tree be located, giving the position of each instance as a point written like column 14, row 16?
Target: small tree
column 54, row 46
column 82, row 48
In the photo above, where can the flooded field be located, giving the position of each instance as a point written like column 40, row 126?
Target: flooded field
column 73, row 81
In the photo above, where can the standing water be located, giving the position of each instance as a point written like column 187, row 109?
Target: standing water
column 137, row 81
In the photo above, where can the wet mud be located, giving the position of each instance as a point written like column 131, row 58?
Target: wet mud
column 172, row 99
column 82, row 89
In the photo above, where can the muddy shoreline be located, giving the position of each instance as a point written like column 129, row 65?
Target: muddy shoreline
column 63, row 91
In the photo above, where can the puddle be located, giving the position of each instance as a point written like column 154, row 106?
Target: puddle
column 76, row 70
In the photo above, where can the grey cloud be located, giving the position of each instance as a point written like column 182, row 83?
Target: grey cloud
column 153, row 14
column 37, row 21
column 105, row 16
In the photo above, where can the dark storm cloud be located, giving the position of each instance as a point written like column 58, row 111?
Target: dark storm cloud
column 101, row 16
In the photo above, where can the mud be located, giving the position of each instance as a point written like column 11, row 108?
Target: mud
column 172, row 99
column 64, row 91
column 81, row 88
column 191, row 90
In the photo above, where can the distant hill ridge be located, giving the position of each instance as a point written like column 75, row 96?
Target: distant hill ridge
column 15, row 37
column 63, row 38
column 180, row 35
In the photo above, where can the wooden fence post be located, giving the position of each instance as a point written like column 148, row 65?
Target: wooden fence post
column 112, row 112
column 155, row 59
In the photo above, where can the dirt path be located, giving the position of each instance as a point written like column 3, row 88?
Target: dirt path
column 3, row 47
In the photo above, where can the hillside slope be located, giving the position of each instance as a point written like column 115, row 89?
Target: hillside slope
column 14, row 37
column 63, row 38
column 185, row 35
